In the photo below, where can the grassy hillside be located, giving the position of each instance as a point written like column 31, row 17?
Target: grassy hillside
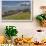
column 18, row 16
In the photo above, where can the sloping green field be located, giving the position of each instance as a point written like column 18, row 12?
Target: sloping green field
column 18, row 16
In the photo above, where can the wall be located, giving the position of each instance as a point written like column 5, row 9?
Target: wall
column 26, row 28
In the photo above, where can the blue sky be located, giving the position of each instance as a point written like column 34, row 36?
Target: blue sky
column 16, row 0
column 14, row 5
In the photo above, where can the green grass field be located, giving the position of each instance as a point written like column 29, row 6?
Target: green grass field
column 18, row 16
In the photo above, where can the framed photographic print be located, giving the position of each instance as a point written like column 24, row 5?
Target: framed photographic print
column 17, row 10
